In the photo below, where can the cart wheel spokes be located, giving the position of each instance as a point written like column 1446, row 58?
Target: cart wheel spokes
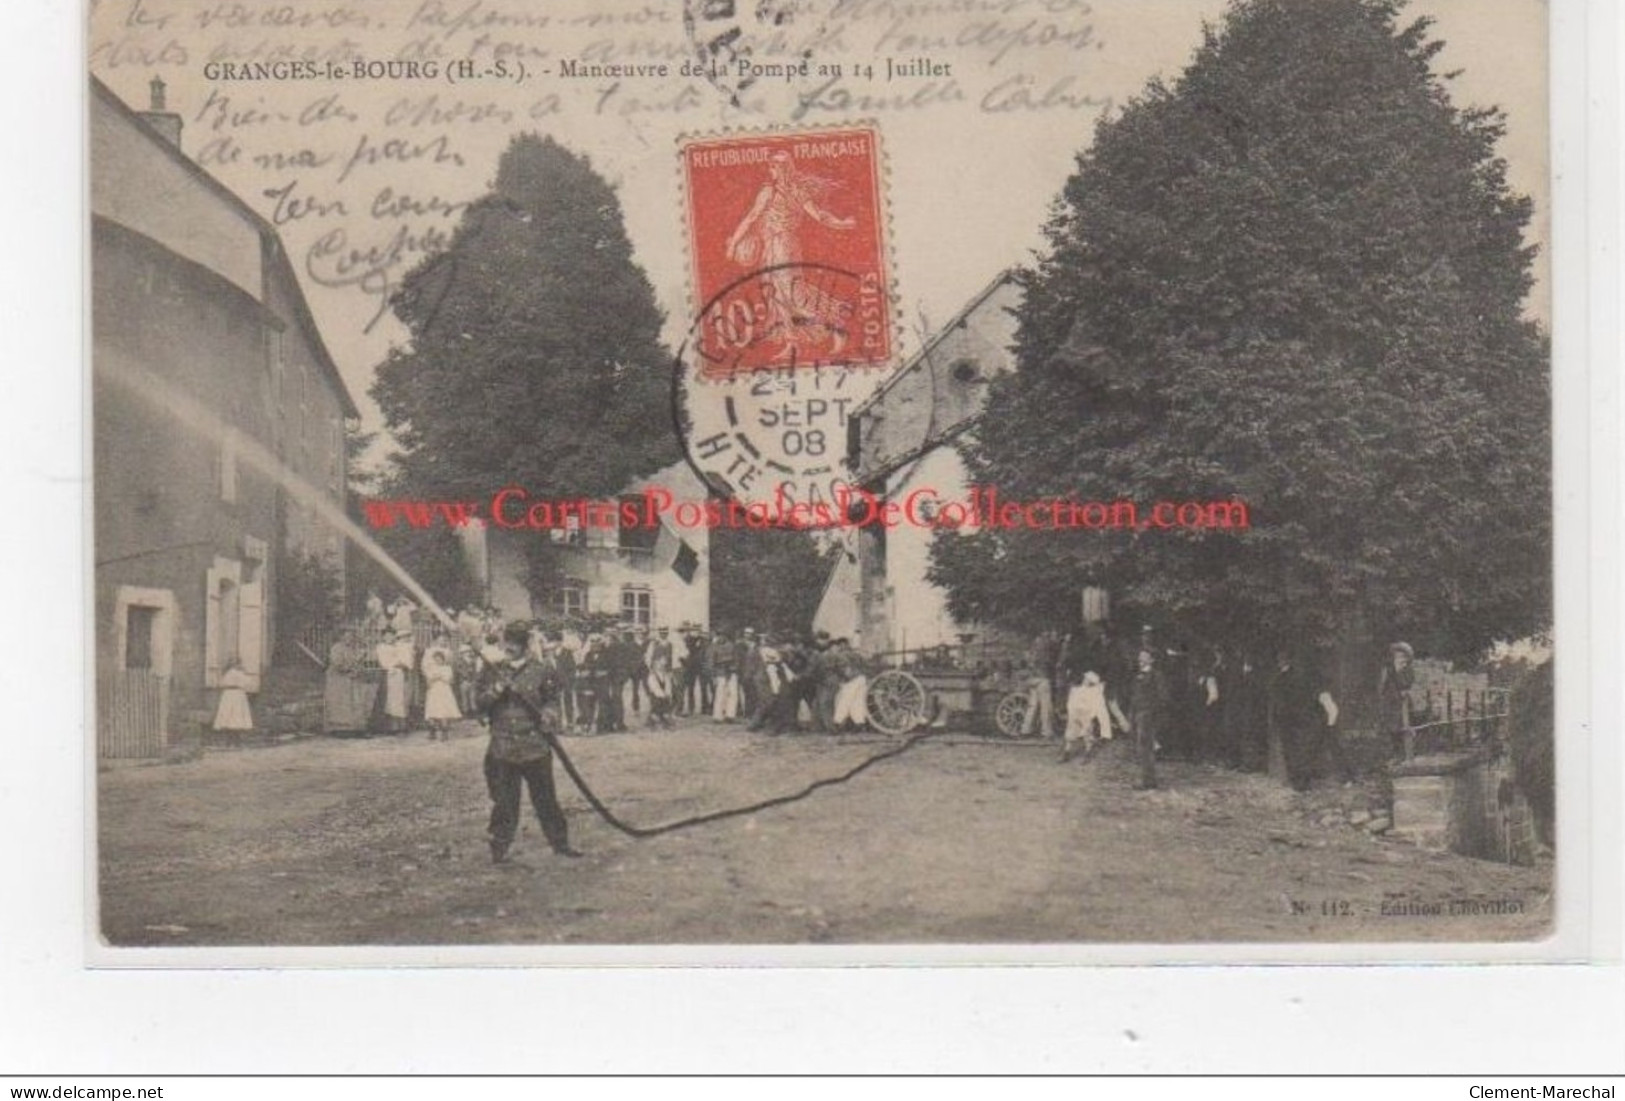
column 897, row 702
column 1011, row 715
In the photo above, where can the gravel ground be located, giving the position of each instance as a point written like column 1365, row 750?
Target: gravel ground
column 381, row 842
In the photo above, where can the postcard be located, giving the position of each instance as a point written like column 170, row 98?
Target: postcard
column 824, row 481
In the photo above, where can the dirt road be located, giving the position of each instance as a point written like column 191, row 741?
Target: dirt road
column 327, row 842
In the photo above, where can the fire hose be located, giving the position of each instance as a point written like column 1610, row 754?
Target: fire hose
column 644, row 832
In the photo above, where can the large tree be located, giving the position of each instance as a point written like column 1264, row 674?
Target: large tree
column 535, row 356
column 769, row 578
column 1296, row 276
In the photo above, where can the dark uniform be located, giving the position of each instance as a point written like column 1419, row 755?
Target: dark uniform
column 592, row 687
column 521, row 703
column 1394, row 685
column 748, row 663
column 621, row 662
column 1148, row 716
column 1245, row 719
column 693, row 686
column 565, row 664
column 1298, row 724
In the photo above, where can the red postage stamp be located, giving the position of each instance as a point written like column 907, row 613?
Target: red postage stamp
column 787, row 236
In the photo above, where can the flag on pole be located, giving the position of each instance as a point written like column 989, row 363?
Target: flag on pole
column 685, row 563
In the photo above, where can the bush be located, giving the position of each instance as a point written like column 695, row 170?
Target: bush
column 308, row 595
column 1534, row 731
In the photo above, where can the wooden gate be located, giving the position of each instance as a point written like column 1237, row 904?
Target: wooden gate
column 132, row 713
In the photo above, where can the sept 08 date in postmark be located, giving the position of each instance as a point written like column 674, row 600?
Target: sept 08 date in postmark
column 788, row 245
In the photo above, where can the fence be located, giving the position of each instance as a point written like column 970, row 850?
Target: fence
column 316, row 641
column 132, row 713
column 1453, row 720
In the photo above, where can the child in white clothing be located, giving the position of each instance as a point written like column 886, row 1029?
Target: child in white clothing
column 1087, row 717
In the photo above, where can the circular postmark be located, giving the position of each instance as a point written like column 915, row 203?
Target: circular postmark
column 765, row 384
column 753, row 46
column 792, row 317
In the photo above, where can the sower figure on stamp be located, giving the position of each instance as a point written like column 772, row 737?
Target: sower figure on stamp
column 768, row 239
column 519, row 697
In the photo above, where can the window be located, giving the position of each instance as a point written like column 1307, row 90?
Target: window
column 570, row 600
column 144, row 627
column 637, row 607
column 570, row 534
column 234, row 622
column 140, row 622
column 638, row 537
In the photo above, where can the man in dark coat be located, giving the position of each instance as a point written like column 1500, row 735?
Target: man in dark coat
column 1245, row 717
column 1303, row 723
column 796, row 660
column 519, row 698
column 592, row 686
column 1148, row 715
column 1394, row 685
column 826, row 683
column 692, row 695
column 637, row 668
column 620, row 661
column 564, row 662
column 752, row 673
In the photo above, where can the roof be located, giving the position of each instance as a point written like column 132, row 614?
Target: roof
column 275, row 255
column 1008, row 275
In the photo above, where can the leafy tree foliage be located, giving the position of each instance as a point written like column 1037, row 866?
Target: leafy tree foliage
column 1534, row 752
column 769, row 578
column 308, row 594
column 1294, row 276
column 433, row 556
column 535, row 355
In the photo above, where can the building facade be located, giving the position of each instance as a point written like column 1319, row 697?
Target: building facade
column 644, row 576
column 207, row 373
column 901, row 440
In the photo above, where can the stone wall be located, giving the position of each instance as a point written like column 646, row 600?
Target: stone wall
column 1464, row 802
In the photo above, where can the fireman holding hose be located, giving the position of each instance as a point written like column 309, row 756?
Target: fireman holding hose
column 520, row 698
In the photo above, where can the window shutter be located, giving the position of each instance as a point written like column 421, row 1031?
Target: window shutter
column 251, row 629
column 211, row 628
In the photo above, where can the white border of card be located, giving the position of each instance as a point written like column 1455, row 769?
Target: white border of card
column 1582, row 220
column 61, row 1015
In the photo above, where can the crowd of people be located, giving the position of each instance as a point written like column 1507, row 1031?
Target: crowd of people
column 402, row 669
column 528, row 682
column 1204, row 704
column 406, row 669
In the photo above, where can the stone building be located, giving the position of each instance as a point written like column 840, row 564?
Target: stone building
column 901, row 440
column 192, row 294
column 646, row 576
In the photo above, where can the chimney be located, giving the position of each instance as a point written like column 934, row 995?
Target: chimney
column 165, row 122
